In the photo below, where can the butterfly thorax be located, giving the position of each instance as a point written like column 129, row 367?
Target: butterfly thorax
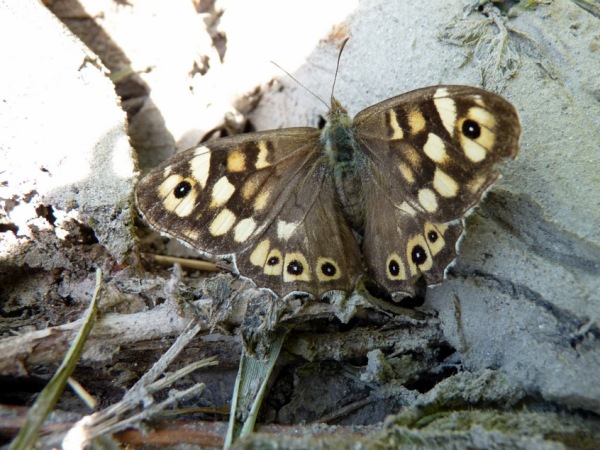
column 339, row 142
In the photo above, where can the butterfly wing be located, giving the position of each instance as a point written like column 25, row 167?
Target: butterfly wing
column 309, row 247
column 262, row 200
column 431, row 155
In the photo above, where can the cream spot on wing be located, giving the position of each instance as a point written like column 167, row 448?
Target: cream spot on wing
column 446, row 108
column 476, row 184
column 416, row 121
column 473, row 150
column 412, row 156
column 184, row 206
column 397, row 132
column 394, row 268
column 221, row 192
column 244, row 229
column 428, row 200
column 263, row 154
column 167, row 171
column 478, row 100
column 166, row 187
column 441, row 227
column 444, row 184
column 191, row 234
column 434, row 235
column 260, row 202
column 486, row 139
column 295, row 268
column 222, row 223
column 441, row 92
column 417, row 244
column 407, row 173
column 258, row 257
column 327, row 269
column 236, row 161
column 286, row 229
column 274, row 263
column 482, row 117
column 200, row 165
column 250, row 187
column 408, row 209
column 435, row 149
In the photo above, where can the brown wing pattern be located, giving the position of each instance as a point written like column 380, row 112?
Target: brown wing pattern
column 439, row 146
column 262, row 200
column 432, row 153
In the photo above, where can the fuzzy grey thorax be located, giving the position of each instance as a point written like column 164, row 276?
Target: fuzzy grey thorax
column 339, row 141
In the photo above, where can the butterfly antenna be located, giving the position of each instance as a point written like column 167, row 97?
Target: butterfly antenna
column 296, row 80
column 337, row 67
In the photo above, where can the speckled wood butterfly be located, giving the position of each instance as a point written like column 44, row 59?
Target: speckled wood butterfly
column 381, row 197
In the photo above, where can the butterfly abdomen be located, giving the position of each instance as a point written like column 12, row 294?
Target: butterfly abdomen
column 340, row 146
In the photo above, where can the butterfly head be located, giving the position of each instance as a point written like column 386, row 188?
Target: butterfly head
column 336, row 109
column 337, row 116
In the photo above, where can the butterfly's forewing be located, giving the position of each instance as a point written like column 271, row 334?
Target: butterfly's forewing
column 216, row 196
column 261, row 199
column 439, row 145
column 432, row 153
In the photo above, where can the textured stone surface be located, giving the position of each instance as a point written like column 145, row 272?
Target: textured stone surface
column 67, row 167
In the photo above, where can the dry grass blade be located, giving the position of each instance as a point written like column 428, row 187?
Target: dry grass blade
column 49, row 396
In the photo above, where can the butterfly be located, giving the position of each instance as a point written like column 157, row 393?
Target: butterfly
column 380, row 197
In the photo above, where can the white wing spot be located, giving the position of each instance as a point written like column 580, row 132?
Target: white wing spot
column 441, row 92
column 473, row 150
column 185, row 206
column 221, row 192
column 482, row 117
column 446, row 108
column 477, row 99
column 286, row 229
column 408, row 209
column 263, row 153
column 435, row 149
column 444, row 184
column 428, row 200
column 244, row 229
column 200, row 165
column 258, row 257
column 398, row 133
column 222, row 223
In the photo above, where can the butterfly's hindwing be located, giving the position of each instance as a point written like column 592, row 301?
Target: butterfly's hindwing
column 309, row 247
column 400, row 246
